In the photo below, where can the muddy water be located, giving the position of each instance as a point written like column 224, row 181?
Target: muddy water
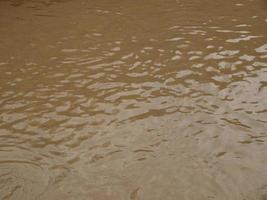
column 138, row 100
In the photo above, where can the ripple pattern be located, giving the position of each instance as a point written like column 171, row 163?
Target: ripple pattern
column 133, row 100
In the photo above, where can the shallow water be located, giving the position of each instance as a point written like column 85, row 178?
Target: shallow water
column 138, row 100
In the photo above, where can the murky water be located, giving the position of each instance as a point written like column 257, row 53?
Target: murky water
column 138, row 100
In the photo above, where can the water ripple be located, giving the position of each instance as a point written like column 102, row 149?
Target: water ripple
column 133, row 100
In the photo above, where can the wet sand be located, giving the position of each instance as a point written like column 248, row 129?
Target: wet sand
column 138, row 100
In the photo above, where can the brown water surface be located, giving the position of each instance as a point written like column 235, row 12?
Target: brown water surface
column 138, row 100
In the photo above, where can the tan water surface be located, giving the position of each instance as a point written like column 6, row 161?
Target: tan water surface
column 133, row 99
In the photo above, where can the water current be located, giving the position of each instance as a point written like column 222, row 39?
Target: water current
column 133, row 100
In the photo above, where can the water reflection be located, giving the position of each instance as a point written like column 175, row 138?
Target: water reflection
column 133, row 100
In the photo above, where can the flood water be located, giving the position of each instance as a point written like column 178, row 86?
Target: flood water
column 138, row 100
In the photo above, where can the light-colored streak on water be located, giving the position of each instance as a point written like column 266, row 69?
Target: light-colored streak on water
column 144, row 100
